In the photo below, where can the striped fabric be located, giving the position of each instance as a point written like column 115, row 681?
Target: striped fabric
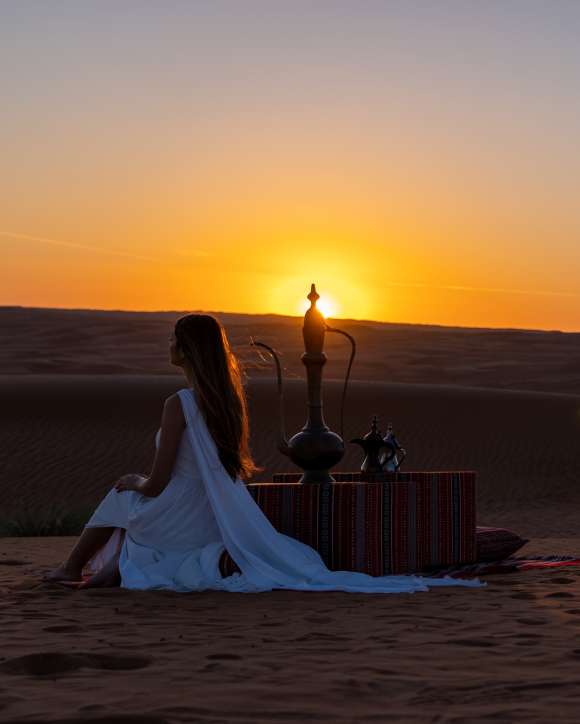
column 507, row 565
column 403, row 523
column 357, row 477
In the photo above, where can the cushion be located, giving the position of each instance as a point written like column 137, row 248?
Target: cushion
column 495, row 544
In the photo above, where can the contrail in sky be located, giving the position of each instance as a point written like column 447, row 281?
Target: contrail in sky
column 419, row 285
column 535, row 292
column 98, row 249
column 74, row 245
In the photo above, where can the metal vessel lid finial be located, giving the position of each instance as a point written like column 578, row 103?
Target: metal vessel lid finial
column 313, row 296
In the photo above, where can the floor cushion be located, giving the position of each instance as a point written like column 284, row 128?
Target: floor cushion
column 495, row 544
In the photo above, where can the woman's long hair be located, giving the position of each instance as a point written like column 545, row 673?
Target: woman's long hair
column 219, row 388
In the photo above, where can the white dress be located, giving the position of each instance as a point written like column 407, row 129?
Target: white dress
column 175, row 541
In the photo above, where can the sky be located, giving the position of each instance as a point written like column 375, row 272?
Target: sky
column 418, row 160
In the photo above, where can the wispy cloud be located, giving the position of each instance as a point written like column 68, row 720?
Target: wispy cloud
column 493, row 290
column 199, row 253
column 101, row 249
column 192, row 252
column 76, row 245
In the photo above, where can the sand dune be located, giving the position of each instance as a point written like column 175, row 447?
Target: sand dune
column 69, row 437
column 65, row 341
column 82, row 394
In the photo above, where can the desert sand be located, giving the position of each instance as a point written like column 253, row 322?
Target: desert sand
column 82, row 395
column 509, row 652
column 68, row 438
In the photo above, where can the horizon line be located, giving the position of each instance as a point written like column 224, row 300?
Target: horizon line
column 291, row 316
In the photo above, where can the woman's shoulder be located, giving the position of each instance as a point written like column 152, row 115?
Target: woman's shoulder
column 173, row 408
column 184, row 392
column 178, row 401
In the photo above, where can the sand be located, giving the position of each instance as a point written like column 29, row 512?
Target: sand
column 80, row 407
column 509, row 652
column 68, row 438
column 71, row 341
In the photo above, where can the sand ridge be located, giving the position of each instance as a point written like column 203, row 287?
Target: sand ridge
column 80, row 341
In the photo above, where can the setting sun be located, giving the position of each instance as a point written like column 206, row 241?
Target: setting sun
column 397, row 219
column 327, row 306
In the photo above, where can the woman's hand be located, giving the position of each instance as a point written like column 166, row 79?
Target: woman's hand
column 131, row 481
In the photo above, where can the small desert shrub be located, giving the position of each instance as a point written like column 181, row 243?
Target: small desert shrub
column 55, row 519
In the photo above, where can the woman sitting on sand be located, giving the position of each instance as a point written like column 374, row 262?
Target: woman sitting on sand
column 169, row 530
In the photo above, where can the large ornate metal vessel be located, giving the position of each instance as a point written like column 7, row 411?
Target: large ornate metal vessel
column 315, row 448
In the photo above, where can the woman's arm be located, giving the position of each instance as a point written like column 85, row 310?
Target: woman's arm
column 172, row 427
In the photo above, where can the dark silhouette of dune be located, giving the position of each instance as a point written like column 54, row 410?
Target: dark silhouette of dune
column 70, row 341
column 69, row 437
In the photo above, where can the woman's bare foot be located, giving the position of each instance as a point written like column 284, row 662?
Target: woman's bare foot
column 102, row 580
column 107, row 577
column 62, row 573
column 98, row 580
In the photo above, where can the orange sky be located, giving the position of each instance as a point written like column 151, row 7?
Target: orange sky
column 161, row 174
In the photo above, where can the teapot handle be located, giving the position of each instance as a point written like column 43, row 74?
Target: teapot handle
column 352, row 354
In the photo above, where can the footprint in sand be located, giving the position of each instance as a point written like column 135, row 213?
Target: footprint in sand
column 223, row 657
column 62, row 629
column 52, row 662
column 91, row 707
column 209, row 668
column 481, row 643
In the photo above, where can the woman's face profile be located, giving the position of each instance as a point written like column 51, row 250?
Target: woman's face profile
column 175, row 354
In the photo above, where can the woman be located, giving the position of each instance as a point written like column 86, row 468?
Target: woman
column 170, row 529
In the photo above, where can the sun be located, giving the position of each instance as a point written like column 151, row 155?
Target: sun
column 325, row 304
